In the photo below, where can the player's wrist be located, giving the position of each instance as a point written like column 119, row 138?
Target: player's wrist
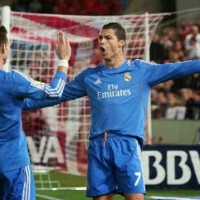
column 63, row 63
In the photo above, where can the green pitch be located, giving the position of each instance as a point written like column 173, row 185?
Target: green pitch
column 68, row 183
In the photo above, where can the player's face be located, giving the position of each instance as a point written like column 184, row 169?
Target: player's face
column 110, row 45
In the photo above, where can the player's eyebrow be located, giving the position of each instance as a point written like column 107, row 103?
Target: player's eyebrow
column 105, row 36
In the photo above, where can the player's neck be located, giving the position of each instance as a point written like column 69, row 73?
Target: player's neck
column 114, row 62
column 1, row 64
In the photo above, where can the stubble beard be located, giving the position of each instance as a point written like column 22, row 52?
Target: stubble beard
column 107, row 60
column 4, row 61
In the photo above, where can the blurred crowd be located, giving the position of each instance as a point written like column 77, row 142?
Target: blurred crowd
column 178, row 99
column 69, row 7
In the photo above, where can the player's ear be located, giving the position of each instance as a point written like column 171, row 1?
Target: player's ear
column 121, row 43
column 3, row 48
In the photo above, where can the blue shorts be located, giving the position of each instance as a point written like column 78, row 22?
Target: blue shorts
column 114, row 166
column 17, row 184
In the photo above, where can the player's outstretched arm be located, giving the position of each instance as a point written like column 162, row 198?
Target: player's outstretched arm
column 167, row 71
column 74, row 89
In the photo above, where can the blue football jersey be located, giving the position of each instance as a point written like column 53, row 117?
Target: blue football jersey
column 119, row 96
column 14, row 88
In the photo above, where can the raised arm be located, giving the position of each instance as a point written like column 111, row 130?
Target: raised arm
column 30, row 88
column 63, row 51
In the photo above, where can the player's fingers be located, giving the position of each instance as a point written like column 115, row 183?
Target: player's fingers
column 63, row 47
column 67, row 43
column 60, row 38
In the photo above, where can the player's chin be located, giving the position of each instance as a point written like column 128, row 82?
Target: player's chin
column 104, row 56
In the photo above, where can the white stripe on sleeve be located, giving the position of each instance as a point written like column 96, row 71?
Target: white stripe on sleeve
column 55, row 92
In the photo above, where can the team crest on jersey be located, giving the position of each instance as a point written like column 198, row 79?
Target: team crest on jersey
column 127, row 76
column 37, row 84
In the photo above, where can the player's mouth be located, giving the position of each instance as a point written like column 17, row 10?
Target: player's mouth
column 102, row 49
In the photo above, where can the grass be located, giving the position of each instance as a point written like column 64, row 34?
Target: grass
column 66, row 180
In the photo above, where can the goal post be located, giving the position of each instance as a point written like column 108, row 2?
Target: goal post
column 5, row 14
column 5, row 17
column 58, row 136
column 147, row 58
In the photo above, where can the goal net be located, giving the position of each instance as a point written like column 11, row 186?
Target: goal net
column 58, row 136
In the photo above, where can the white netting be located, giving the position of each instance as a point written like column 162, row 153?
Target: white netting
column 58, row 136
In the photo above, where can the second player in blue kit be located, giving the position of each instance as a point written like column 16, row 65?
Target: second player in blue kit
column 16, row 179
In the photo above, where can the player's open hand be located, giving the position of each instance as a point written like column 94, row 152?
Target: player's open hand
column 63, row 48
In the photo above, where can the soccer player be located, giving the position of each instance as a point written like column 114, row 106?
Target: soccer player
column 118, row 90
column 16, row 180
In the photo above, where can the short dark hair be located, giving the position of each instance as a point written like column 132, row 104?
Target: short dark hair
column 3, row 35
column 119, row 30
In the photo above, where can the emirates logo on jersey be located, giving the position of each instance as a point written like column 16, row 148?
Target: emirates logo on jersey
column 127, row 76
